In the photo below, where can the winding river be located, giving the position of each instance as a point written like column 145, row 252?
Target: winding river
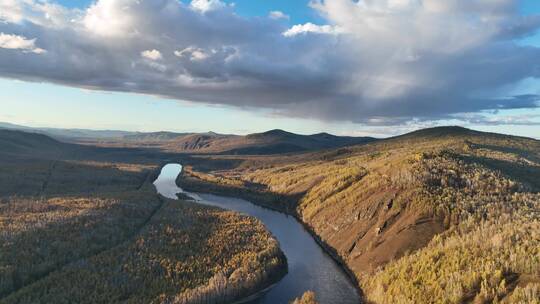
column 310, row 267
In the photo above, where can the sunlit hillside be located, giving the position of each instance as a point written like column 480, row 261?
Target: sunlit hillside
column 447, row 213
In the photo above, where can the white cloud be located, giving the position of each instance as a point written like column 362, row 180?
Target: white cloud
column 428, row 52
column 312, row 28
column 10, row 11
column 111, row 18
column 15, row 42
column 38, row 12
column 276, row 15
column 204, row 6
column 152, row 54
column 193, row 53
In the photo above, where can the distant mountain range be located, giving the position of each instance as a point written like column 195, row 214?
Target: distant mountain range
column 68, row 134
column 270, row 142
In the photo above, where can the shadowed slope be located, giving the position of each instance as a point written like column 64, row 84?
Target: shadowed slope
column 85, row 225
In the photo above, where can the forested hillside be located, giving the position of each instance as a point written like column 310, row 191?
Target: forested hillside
column 446, row 214
column 85, row 225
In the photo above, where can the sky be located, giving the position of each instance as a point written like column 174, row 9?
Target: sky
column 370, row 67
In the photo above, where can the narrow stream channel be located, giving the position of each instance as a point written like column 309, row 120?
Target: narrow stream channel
column 310, row 268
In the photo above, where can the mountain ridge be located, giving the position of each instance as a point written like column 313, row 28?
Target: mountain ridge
column 274, row 141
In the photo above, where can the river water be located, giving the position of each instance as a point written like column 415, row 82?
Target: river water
column 310, row 267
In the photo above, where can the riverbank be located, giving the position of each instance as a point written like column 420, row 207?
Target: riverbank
column 205, row 183
column 250, row 261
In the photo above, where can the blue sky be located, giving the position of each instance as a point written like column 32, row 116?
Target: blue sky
column 44, row 104
column 38, row 104
column 296, row 9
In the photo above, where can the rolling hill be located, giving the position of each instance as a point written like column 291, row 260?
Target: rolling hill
column 444, row 214
column 18, row 143
column 270, row 142
column 266, row 143
column 68, row 134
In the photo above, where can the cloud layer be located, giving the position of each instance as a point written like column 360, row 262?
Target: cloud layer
column 15, row 42
column 374, row 61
